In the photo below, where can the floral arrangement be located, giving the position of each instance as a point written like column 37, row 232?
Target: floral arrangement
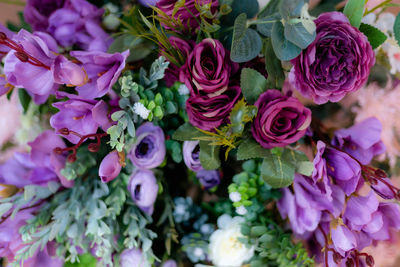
column 199, row 133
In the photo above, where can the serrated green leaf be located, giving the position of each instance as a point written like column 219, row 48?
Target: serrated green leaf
column 209, row 156
column 396, row 29
column 250, row 149
column 276, row 76
column 354, row 10
column 374, row 35
column 253, row 84
column 187, row 132
column 299, row 35
column 284, row 49
column 246, row 43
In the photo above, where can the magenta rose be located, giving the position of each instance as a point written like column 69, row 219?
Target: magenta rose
column 336, row 63
column 184, row 48
column 208, row 113
column 280, row 121
column 208, row 69
column 188, row 14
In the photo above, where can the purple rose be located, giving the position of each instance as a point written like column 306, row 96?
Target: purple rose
column 110, row 167
column 208, row 113
column 188, row 15
column 133, row 258
column 280, row 121
column 37, row 12
column 362, row 140
column 184, row 48
column 103, row 71
column 149, row 150
column 336, row 63
column 144, row 189
column 78, row 23
column 207, row 69
column 208, row 178
column 191, row 155
column 81, row 116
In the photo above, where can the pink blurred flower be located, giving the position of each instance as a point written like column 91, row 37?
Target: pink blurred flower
column 9, row 118
column 373, row 3
column 383, row 104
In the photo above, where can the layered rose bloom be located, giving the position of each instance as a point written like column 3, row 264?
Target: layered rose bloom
column 188, row 14
column 336, row 63
column 280, row 121
column 207, row 74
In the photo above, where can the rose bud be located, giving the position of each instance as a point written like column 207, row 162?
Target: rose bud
column 191, row 155
column 110, row 167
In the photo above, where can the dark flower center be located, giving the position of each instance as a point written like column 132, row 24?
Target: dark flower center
column 145, row 148
column 196, row 153
column 137, row 191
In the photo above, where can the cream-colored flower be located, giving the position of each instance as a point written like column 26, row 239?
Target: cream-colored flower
column 225, row 250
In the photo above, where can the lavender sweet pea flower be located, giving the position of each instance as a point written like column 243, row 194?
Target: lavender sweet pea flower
column 133, row 258
column 3, row 48
column 191, row 155
column 359, row 210
column 37, row 12
column 208, row 178
column 78, row 23
column 81, row 116
column 144, row 189
column 149, row 149
column 383, row 190
column 344, row 170
column 336, row 63
column 110, row 167
column 187, row 14
column 343, row 239
column 207, row 69
column 102, row 69
column 280, row 121
column 384, row 221
column 362, row 140
column 4, row 85
column 208, row 113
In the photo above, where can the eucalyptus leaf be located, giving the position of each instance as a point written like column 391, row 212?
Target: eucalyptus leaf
column 186, row 132
column 276, row 76
column 265, row 24
column 271, row 8
column 374, row 35
column 249, row 7
column 250, row 149
column 354, row 10
column 284, row 49
column 253, row 84
column 246, row 43
column 396, row 29
column 209, row 156
column 299, row 35
column 290, row 8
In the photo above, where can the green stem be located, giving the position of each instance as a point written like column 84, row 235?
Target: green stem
column 13, row 2
column 255, row 22
column 377, row 7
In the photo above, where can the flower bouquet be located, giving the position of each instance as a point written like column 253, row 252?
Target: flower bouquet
column 199, row 133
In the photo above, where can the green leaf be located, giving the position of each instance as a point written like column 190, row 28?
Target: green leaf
column 396, row 28
column 253, row 84
column 186, row 132
column 209, row 156
column 279, row 169
column 284, row 49
column 250, row 149
column 24, row 98
column 265, row 24
column 276, row 76
column 290, row 8
column 271, row 8
column 249, row 7
column 374, row 35
column 85, row 260
column 4, row 208
column 354, row 10
column 298, row 34
column 138, row 48
column 246, row 43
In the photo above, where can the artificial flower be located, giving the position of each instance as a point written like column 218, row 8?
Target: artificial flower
column 143, row 188
column 110, row 167
column 191, row 155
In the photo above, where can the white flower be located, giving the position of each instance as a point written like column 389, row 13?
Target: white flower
column 392, row 50
column 183, row 90
column 141, row 110
column 241, row 210
column 225, row 250
column 235, row 196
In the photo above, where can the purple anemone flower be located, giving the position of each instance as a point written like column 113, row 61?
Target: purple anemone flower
column 133, row 258
column 81, row 116
column 362, row 140
column 149, row 150
column 102, row 69
column 191, row 155
column 208, row 178
column 144, row 189
column 110, row 167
